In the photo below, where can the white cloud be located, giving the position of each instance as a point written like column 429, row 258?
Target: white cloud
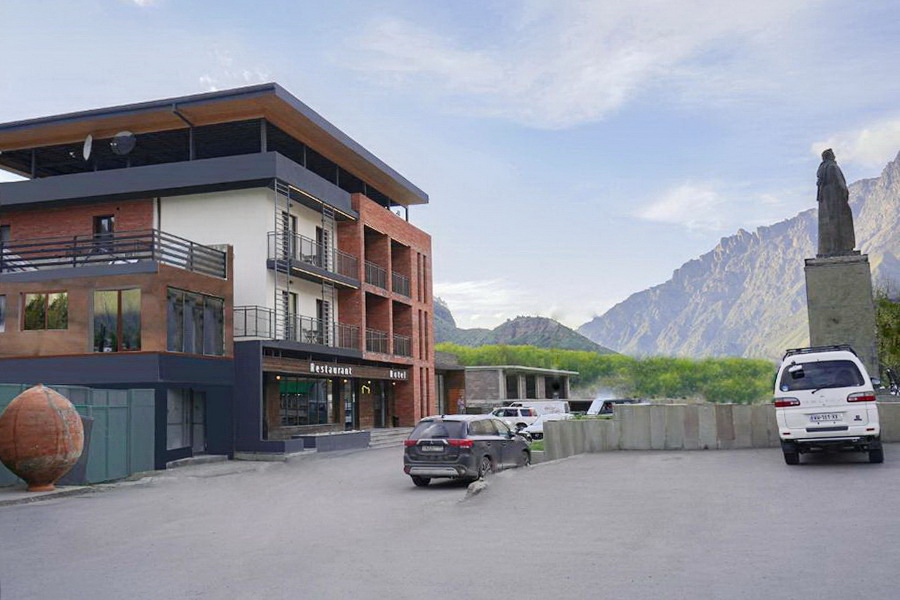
column 870, row 146
column 692, row 205
column 225, row 74
column 143, row 3
column 483, row 303
column 557, row 64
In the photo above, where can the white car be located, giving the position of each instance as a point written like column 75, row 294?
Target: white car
column 536, row 429
column 516, row 417
column 606, row 406
column 825, row 400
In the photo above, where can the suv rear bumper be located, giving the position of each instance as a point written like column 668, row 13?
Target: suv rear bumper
column 862, row 443
column 463, row 467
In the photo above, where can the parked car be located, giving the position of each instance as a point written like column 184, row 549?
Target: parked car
column 606, row 406
column 536, row 429
column 544, row 406
column 825, row 400
column 462, row 447
column 516, row 416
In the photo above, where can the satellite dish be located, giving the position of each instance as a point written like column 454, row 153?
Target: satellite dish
column 123, row 143
column 88, row 145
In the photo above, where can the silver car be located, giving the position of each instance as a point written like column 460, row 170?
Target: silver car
column 462, row 447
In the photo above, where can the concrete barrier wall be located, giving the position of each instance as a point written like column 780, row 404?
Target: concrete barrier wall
column 682, row 427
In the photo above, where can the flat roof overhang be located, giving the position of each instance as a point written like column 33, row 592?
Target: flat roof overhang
column 267, row 101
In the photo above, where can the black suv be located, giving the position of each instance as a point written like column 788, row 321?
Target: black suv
column 462, row 447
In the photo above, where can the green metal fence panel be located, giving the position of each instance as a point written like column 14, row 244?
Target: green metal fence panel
column 123, row 433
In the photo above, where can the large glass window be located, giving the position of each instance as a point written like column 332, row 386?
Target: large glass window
column 2, row 314
column 117, row 320
column 195, row 323
column 46, row 311
column 303, row 401
column 530, row 387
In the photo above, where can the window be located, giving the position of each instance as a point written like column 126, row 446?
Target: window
column 46, row 311
column 117, row 320
column 512, row 387
column 104, row 226
column 303, row 401
column 2, row 314
column 195, row 323
column 530, row 387
column 4, row 233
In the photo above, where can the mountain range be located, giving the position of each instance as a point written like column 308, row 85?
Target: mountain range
column 521, row 331
column 747, row 296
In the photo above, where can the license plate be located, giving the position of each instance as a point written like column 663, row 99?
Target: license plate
column 432, row 448
column 825, row 417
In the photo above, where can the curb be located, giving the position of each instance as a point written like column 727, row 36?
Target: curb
column 39, row 497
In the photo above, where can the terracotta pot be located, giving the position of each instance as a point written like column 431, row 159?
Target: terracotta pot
column 41, row 437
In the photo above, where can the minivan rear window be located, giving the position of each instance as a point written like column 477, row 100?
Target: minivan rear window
column 428, row 430
column 820, row 375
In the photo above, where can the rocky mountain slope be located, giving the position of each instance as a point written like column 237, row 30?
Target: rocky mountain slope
column 747, row 296
column 521, row 331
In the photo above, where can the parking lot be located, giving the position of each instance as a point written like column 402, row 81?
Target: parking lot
column 701, row 524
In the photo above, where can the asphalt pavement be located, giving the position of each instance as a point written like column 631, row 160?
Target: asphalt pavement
column 702, row 524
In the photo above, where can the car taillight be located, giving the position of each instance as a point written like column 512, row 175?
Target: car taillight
column 785, row 402
column 861, row 397
column 460, row 443
column 409, row 443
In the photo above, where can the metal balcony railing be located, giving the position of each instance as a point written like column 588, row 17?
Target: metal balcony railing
column 294, row 248
column 376, row 341
column 402, row 345
column 262, row 322
column 400, row 284
column 123, row 247
column 376, row 275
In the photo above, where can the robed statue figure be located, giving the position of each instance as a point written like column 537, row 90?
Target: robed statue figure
column 835, row 217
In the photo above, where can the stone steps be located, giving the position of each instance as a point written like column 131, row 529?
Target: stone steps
column 388, row 438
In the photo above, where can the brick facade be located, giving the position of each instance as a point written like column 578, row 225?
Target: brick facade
column 389, row 241
column 69, row 221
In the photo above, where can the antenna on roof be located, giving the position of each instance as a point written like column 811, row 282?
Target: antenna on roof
column 88, row 146
column 123, row 143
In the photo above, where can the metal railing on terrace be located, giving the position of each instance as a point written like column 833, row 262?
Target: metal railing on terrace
column 376, row 275
column 299, row 248
column 122, row 247
column 262, row 322
column 400, row 284
column 376, row 341
column 402, row 345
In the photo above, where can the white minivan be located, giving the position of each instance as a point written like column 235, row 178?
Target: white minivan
column 825, row 400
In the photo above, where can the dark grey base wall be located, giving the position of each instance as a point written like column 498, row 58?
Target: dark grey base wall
column 157, row 372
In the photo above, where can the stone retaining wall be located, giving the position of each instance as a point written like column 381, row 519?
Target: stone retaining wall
column 682, row 427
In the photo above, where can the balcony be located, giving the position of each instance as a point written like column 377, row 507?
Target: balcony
column 120, row 248
column 376, row 275
column 262, row 322
column 376, row 341
column 296, row 251
column 400, row 284
column 402, row 345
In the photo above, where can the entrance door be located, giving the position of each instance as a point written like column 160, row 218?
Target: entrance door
column 351, row 416
column 379, row 399
column 198, row 444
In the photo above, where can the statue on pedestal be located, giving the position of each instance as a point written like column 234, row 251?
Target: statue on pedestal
column 836, row 235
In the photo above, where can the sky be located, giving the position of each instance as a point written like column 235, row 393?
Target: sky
column 574, row 152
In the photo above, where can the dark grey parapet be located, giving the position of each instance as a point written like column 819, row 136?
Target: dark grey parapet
column 173, row 179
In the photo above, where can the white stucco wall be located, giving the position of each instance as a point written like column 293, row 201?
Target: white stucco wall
column 243, row 219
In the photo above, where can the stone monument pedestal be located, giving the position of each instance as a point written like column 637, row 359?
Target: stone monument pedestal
column 841, row 306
